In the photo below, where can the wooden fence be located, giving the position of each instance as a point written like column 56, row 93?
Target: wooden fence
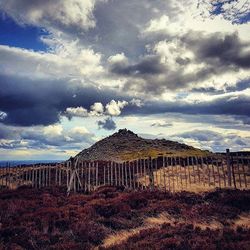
column 163, row 173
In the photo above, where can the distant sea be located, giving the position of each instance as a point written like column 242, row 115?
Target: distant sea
column 27, row 162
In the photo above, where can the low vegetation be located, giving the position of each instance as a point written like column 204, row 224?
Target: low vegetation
column 125, row 145
column 111, row 218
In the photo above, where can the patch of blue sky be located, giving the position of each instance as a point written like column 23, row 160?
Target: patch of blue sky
column 244, row 18
column 27, row 37
column 238, row 18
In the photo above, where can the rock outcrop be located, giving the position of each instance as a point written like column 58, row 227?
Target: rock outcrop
column 126, row 145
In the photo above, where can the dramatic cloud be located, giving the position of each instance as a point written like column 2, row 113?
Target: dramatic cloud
column 44, row 137
column 190, row 60
column 213, row 140
column 229, row 104
column 107, row 124
column 52, row 14
column 220, row 50
column 33, row 102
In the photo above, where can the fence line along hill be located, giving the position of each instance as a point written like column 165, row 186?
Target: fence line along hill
column 126, row 145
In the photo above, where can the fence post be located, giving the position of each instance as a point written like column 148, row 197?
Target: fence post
column 96, row 176
column 229, row 172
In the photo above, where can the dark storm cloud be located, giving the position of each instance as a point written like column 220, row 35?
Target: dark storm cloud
column 224, row 50
column 28, row 102
column 214, row 140
column 107, row 124
column 241, row 85
column 202, row 135
column 219, row 52
column 229, row 105
column 210, row 90
column 36, row 137
column 119, row 24
column 148, row 65
column 40, row 102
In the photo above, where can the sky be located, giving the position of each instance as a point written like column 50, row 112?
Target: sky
column 75, row 71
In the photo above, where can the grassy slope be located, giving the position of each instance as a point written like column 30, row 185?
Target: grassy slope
column 153, row 152
column 111, row 219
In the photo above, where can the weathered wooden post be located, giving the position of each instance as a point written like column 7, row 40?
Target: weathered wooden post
column 193, row 168
column 151, row 173
column 26, row 175
column 115, row 174
column 172, row 170
column 89, row 177
column 213, row 172
column 164, row 172
column 122, row 170
column 133, row 173
column 45, row 175
column 108, row 174
column 229, row 172
column 61, row 173
column 129, row 173
column 238, row 168
column 218, row 170
column 233, row 174
column 1, row 180
column 203, row 173
column 126, row 173
column 8, row 176
column 243, row 168
column 137, row 173
column 96, row 176
column 156, row 174
column 198, row 169
column 176, row 172
column 104, row 174
column 67, row 173
column 188, row 167
column 119, row 174
column 168, row 165
column 145, row 171
column 111, row 173
column 208, row 169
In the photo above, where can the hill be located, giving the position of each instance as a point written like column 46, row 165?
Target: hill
column 126, row 145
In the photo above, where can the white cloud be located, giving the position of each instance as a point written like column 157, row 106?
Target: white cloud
column 97, row 109
column 53, row 130
column 3, row 115
column 162, row 25
column 118, row 58
column 70, row 60
column 136, row 102
column 114, row 108
column 76, row 112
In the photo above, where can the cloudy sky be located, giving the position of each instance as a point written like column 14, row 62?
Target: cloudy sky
column 75, row 71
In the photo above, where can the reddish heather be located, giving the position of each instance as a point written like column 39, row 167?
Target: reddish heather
column 47, row 219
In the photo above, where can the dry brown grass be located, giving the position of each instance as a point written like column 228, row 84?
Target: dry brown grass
column 195, row 179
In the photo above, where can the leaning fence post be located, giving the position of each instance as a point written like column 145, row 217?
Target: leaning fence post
column 229, row 172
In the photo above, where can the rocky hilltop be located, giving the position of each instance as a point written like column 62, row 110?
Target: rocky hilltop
column 126, row 145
